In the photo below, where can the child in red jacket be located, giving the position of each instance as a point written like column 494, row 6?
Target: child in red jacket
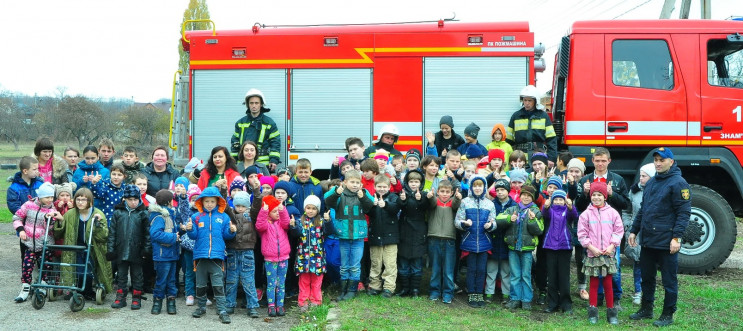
column 272, row 224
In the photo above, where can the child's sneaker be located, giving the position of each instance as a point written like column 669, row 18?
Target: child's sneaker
column 271, row 311
column 208, row 302
column 189, row 300
column 23, row 295
column 446, row 301
column 488, row 298
column 361, row 287
column 637, row 298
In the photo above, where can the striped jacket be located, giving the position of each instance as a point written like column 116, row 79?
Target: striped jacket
column 263, row 131
column 529, row 129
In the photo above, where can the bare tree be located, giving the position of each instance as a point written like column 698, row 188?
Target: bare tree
column 81, row 119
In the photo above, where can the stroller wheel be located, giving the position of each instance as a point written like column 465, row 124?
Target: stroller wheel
column 100, row 295
column 77, row 302
column 52, row 294
column 39, row 299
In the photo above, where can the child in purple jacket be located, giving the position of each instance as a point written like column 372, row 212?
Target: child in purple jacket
column 559, row 212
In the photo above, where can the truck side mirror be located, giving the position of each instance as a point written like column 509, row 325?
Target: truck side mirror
column 735, row 38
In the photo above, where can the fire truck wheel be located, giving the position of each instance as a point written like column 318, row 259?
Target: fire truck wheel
column 710, row 236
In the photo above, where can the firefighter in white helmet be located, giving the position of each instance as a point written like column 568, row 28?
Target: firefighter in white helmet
column 530, row 128
column 388, row 136
column 255, row 126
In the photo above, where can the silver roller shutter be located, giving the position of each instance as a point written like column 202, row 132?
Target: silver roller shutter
column 217, row 104
column 330, row 105
column 484, row 90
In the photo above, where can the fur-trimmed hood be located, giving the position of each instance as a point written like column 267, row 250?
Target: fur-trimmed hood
column 59, row 166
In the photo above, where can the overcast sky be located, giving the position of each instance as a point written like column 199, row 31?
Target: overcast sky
column 127, row 49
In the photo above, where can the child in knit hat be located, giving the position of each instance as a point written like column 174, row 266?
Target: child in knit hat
column 559, row 214
column 470, row 138
column 237, row 185
column 240, row 257
column 29, row 221
column 267, row 184
column 310, row 264
column 64, row 197
column 633, row 252
column 518, row 179
column 600, row 231
column 128, row 241
column 272, row 224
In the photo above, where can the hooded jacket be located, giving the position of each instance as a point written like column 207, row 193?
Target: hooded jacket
column 558, row 235
column 129, row 233
column 600, row 227
column 31, row 218
column 521, row 235
column 384, row 227
column 274, row 239
column 20, row 192
column 90, row 169
column 350, row 212
column 529, row 128
column 263, row 131
column 164, row 233
column 157, row 181
column 413, row 226
column 502, row 144
column 480, row 210
column 210, row 227
column 665, row 210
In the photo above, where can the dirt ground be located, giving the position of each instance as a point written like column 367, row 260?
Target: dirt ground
column 57, row 315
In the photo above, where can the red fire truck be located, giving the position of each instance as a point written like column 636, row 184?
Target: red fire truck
column 629, row 86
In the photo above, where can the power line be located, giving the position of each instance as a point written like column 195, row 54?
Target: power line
column 633, row 8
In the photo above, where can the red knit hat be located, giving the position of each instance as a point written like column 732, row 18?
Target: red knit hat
column 496, row 153
column 599, row 187
column 271, row 201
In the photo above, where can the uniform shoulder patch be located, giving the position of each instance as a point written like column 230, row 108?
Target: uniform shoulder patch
column 685, row 194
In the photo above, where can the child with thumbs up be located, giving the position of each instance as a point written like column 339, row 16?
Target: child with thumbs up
column 522, row 225
column 90, row 170
column 272, row 224
column 384, row 235
column 413, row 231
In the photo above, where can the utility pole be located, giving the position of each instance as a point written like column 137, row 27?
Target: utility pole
column 667, row 9
column 706, row 9
column 685, row 7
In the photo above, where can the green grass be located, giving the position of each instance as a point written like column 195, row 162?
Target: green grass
column 5, row 215
column 314, row 319
column 705, row 302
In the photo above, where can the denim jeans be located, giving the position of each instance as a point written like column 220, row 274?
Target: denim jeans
column 351, row 252
column 616, row 283
column 441, row 253
column 637, row 275
column 188, row 273
column 276, row 277
column 240, row 268
column 520, row 263
column 165, row 280
column 410, row 267
column 476, row 271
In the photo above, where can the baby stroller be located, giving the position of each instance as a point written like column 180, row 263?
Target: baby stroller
column 83, row 272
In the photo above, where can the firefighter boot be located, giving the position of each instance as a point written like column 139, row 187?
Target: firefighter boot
column 136, row 299
column 120, row 301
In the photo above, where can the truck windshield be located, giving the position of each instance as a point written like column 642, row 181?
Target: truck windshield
column 724, row 63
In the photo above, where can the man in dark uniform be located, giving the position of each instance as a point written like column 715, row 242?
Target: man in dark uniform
column 257, row 127
column 663, row 216
column 530, row 128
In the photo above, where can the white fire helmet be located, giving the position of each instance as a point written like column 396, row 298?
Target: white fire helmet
column 389, row 129
column 530, row 91
column 255, row 93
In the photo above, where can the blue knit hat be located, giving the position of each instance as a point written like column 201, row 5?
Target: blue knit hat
column 559, row 194
column 241, row 198
column 554, row 180
column 283, row 185
column 131, row 191
column 183, row 181
column 238, row 182
column 518, row 175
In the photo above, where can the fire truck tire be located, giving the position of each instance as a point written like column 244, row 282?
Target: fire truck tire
column 710, row 236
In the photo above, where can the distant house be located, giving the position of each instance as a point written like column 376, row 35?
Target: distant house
column 164, row 106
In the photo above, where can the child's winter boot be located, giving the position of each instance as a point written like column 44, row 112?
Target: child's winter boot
column 157, row 306
column 593, row 315
column 136, row 299
column 171, row 306
column 120, row 301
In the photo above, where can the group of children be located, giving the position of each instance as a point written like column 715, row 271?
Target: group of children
column 381, row 215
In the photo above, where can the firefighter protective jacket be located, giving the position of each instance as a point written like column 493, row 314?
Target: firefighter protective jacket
column 263, row 131
column 529, row 129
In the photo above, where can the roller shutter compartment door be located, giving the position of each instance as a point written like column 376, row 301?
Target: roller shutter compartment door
column 218, row 97
column 484, row 90
column 330, row 105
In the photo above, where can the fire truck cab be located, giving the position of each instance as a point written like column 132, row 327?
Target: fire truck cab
column 632, row 86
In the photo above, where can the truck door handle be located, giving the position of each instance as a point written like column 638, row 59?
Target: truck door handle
column 617, row 127
column 708, row 128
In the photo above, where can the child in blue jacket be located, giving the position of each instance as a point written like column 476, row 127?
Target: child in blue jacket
column 164, row 236
column 210, row 227
column 476, row 217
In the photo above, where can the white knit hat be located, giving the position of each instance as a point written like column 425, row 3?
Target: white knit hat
column 312, row 200
column 45, row 190
column 648, row 169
